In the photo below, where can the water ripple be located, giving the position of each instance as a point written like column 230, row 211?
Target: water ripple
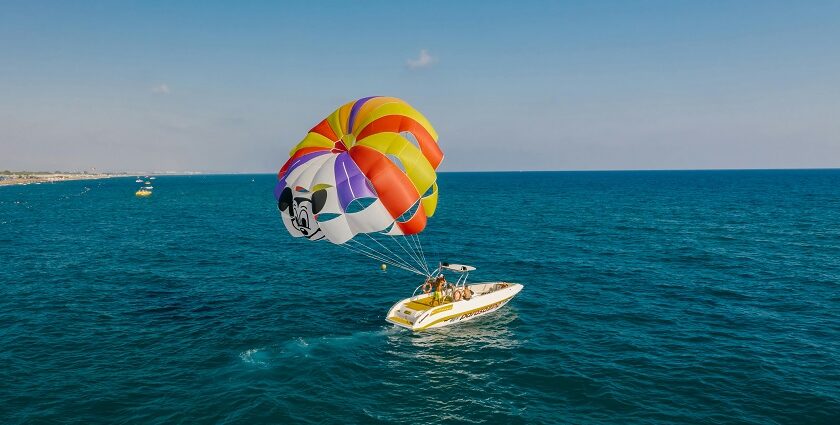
column 650, row 297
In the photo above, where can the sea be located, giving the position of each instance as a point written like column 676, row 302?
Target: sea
column 650, row 297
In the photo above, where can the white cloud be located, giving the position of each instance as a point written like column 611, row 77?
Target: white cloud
column 423, row 61
column 161, row 89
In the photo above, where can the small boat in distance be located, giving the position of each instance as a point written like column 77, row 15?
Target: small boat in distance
column 138, row 181
column 143, row 192
column 454, row 303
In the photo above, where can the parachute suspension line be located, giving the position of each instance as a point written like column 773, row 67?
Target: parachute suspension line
column 387, row 249
column 373, row 253
column 410, row 243
column 382, row 260
column 422, row 254
column 396, row 242
column 361, row 249
column 413, row 242
column 405, row 262
column 413, row 259
column 411, row 253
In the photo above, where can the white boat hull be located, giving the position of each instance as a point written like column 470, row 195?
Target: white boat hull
column 417, row 314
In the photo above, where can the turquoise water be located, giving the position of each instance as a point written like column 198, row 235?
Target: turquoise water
column 650, row 297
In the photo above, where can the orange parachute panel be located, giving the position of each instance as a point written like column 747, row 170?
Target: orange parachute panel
column 393, row 187
column 399, row 124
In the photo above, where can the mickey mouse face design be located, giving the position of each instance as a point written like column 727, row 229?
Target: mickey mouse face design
column 301, row 211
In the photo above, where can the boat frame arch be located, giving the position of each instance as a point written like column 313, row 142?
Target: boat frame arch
column 462, row 270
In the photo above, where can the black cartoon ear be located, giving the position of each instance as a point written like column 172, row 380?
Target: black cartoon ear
column 285, row 201
column 319, row 199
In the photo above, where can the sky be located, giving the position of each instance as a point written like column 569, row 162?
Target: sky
column 591, row 85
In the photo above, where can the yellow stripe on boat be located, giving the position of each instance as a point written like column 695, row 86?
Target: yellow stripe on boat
column 465, row 312
column 444, row 308
column 400, row 320
column 420, row 304
column 414, row 305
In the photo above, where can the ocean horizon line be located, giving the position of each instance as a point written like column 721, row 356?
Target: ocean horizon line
column 232, row 173
column 120, row 174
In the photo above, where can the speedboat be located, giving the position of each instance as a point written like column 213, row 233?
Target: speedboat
column 138, row 181
column 430, row 308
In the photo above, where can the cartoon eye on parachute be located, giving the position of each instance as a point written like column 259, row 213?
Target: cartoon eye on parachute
column 366, row 171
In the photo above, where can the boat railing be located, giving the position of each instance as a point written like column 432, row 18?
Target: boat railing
column 447, row 292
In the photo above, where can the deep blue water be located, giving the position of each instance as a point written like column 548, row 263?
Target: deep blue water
column 650, row 297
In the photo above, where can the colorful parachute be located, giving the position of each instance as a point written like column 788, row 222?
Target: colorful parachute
column 369, row 167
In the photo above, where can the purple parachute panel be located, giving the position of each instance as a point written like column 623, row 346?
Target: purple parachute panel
column 354, row 110
column 281, row 184
column 350, row 182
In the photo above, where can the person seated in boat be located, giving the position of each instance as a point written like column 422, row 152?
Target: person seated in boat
column 467, row 292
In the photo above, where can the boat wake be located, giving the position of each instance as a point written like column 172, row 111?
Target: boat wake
column 306, row 348
column 254, row 356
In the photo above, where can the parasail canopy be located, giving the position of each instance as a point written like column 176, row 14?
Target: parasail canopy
column 368, row 168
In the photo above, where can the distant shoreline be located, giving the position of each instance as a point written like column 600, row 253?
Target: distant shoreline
column 23, row 178
column 26, row 179
column 629, row 170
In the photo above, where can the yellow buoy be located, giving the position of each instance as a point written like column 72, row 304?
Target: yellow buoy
column 383, row 267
